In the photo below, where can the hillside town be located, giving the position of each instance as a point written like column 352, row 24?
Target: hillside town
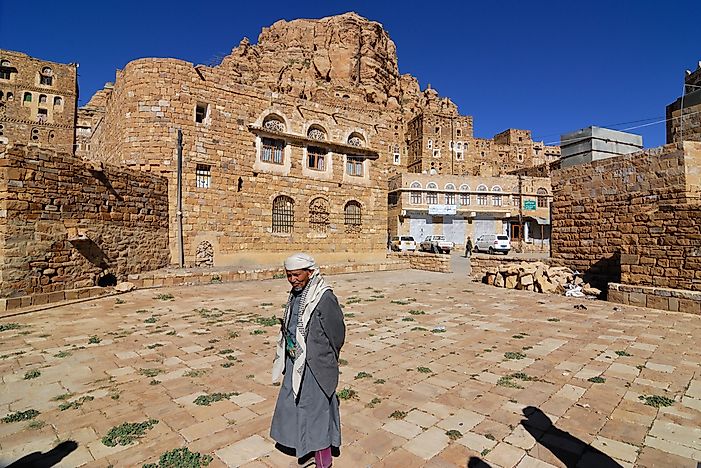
column 481, row 280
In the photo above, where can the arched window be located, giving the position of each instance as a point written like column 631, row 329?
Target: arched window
column 482, row 197
column 46, row 76
column 496, row 199
column 356, row 139
column 542, row 198
column 42, row 99
column 353, row 217
column 449, row 196
column 464, row 194
column 10, row 96
column 432, row 197
column 316, row 132
column 283, row 214
column 58, row 101
column 27, row 97
column 416, row 195
column 274, row 124
column 319, row 216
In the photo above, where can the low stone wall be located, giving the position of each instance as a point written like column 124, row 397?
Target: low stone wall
column 425, row 261
column 676, row 300
column 481, row 264
column 177, row 277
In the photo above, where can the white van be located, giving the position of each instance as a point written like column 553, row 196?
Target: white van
column 403, row 243
column 493, row 243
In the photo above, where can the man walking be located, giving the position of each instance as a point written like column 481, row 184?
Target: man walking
column 468, row 247
column 306, row 417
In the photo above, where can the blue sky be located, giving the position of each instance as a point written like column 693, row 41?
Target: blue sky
column 551, row 67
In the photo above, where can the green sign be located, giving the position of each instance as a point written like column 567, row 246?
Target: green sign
column 529, row 205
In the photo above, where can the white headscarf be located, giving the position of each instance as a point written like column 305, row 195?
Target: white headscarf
column 300, row 261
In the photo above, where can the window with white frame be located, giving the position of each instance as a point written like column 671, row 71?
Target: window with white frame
column 436, row 153
column 416, row 193
column 354, row 166
column 316, row 158
column 432, row 197
column 430, row 144
column 203, row 176
column 496, row 198
column 542, row 198
column 272, row 151
column 482, row 197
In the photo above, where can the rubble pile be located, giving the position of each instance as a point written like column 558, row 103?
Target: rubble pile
column 537, row 276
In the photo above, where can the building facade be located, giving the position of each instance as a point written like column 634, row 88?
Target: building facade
column 687, row 126
column 38, row 101
column 459, row 207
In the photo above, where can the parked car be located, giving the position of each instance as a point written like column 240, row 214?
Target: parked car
column 493, row 243
column 437, row 244
column 403, row 243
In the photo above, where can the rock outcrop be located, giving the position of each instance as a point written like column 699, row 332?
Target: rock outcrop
column 345, row 57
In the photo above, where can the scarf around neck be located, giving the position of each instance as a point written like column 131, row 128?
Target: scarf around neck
column 311, row 295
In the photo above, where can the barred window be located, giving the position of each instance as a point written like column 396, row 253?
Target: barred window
column 283, row 214
column 496, row 200
column 482, row 197
column 464, row 198
column 416, row 198
column 272, row 151
column 432, row 198
column 319, row 216
column 450, row 199
column 516, row 200
column 203, row 176
column 353, row 216
column 354, row 166
column 315, row 158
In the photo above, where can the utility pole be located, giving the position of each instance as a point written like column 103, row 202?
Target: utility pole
column 179, row 209
column 520, row 212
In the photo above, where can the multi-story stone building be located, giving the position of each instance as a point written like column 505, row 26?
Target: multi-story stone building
column 462, row 206
column 37, row 101
column 687, row 127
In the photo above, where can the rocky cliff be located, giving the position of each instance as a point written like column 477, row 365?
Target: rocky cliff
column 344, row 57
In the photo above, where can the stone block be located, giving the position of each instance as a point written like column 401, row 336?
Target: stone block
column 615, row 296
column 637, row 299
column 657, row 302
column 689, row 306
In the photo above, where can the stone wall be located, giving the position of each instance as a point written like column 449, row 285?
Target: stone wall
column 675, row 300
column 608, row 209
column 67, row 225
column 425, row 261
column 481, row 263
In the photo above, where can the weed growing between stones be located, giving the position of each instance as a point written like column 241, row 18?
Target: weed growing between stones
column 656, row 400
column 9, row 326
column 21, row 416
column 417, row 312
column 507, row 381
column 61, row 397
column 418, row 329
column 181, row 458
column 379, row 381
column 94, row 339
column 347, row 393
column 195, row 373
column 32, row 374
column 206, row 400
column 373, row 402
column 362, row 375
column 408, row 319
column 623, row 353
column 553, row 320
column 150, row 372
column 36, row 424
column 266, row 321
column 596, row 379
column 398, row 414
column 514, row 355
column 126, row 433
column 258, row 332
column 119, row 301
column 453, row 434
column 424, row 370
column 164, row 297
column 342, row 362
column 62, row 354
column 75, row 404
column 151, row 320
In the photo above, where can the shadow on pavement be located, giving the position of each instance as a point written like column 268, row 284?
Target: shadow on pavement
column 45, row 460
column 570, row 450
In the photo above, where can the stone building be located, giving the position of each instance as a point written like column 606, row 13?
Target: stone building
column 688, row 127
column 287, row 144
column 38, row 101
column 441, row 141
column 462, row 206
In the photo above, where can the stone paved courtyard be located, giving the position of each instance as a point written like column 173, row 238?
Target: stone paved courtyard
column 419, row 397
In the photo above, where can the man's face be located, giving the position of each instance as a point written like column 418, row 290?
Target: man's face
column 298, row 278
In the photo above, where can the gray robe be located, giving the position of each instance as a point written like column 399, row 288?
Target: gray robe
column 312, row 422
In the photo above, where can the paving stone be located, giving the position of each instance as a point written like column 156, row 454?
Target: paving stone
column 245, row 451
column 505, row 455
column 428, row 444
column 616, row 449
column 476, row 442
column 462, row 420
column 402, row 428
